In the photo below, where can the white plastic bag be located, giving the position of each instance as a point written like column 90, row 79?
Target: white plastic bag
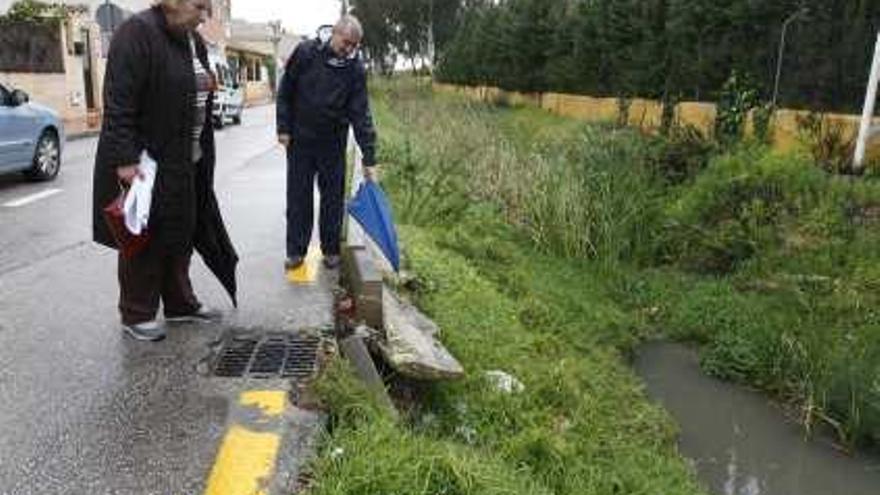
column 139, row 197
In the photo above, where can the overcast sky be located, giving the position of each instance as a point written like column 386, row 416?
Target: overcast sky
column 299, row 16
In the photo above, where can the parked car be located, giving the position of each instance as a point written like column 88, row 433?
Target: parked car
column 31, row 136
column 229, row 98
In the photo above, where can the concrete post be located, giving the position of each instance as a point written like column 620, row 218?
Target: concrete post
column 865, row 130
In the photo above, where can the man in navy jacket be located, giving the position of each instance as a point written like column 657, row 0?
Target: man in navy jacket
column 322, row 92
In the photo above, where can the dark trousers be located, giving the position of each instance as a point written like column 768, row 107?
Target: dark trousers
column 151, row 276
column 302, row 167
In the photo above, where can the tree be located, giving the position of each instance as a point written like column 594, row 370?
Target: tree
column 406, row 28
column 667, row 49
column 378, row 31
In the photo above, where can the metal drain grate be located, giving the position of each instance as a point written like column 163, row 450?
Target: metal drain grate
column 268, row 356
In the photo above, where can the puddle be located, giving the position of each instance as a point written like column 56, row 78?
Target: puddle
column 740, row 442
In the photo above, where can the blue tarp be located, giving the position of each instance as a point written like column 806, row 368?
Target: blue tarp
column 371, row 210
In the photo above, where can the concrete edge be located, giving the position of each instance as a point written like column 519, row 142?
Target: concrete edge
column 82, row 135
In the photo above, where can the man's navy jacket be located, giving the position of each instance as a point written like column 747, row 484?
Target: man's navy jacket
column 319, row 96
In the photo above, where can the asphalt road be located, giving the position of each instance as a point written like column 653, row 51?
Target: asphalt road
column 87, row 410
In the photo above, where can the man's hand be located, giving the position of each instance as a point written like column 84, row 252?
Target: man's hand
column 284, row 140
column 127, row 173
column 372, row 173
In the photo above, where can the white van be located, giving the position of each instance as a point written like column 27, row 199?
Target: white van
column 229, row 98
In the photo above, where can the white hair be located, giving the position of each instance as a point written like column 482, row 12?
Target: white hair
column 349, row 24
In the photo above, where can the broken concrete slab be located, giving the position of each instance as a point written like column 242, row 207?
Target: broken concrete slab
column 410, row 345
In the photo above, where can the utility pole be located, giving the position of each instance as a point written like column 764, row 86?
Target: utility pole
column 791, row 18
column 866, row 130
column 431, row 48
column 275, row 33
column 344, row 8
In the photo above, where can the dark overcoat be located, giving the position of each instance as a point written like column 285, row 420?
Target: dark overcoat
column 149, row 95
column 319, row 96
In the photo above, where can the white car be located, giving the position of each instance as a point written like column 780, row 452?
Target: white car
column 229, row 98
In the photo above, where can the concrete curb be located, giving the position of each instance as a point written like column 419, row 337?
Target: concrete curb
column 82, row 135
column 364, row 280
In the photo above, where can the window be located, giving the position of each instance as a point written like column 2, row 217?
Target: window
column 252, row 69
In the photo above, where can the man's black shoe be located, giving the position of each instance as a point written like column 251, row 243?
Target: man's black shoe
column 293, row 263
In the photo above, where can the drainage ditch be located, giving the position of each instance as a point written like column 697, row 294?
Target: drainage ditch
column 739, row 442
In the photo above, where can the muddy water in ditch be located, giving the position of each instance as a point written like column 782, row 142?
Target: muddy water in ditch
column 739, row 441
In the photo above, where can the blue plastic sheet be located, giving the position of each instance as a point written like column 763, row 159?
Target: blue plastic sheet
column 371, row 210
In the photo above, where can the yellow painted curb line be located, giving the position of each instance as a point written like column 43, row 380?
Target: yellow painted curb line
column 307, row 273
column 245, row 463
column 271, row 403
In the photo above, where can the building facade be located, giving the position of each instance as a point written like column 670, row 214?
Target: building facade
column 250, row 52
column 72, row 81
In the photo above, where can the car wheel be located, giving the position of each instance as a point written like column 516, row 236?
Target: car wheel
column 236, row 119
column 47, row 157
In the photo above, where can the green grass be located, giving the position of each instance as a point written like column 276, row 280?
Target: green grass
column 765, row 259
column 581, row 425
column 548, row 248
column 575, row 190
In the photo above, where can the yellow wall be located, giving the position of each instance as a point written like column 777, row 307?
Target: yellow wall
column 257, row 93
column 647, row 113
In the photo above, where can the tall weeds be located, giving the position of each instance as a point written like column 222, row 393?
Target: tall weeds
column 768, row 260
column 583, row 193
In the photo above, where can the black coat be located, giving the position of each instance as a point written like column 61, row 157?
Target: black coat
column 319, row 96
column 149, row 94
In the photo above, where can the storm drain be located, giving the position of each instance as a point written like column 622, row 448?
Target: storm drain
column 269, row 356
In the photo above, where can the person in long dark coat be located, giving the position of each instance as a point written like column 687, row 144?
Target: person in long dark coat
column 158, row 92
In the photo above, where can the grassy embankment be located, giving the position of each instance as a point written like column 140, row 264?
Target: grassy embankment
column 547, row 248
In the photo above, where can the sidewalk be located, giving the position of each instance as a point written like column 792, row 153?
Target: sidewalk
column 80, row 129
column 268, row 436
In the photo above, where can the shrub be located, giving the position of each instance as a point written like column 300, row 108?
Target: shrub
column 737, row 98
column 827, row 142
column 681, row 154
column 734, row 209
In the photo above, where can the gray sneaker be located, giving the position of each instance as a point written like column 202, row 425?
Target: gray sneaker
column 202, row 315
column 149, row 331
column 332, row 261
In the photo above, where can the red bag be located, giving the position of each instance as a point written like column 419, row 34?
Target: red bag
column 128, row 244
